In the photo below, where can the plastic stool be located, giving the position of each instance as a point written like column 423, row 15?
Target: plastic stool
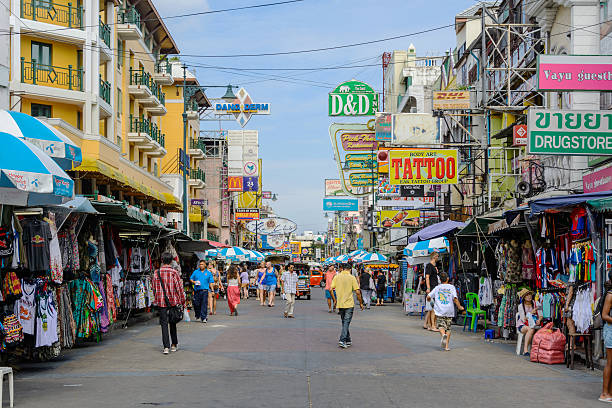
column 9, row 372
column 489, row 334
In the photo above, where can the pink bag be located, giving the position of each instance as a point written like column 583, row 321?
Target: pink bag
column 548, row 346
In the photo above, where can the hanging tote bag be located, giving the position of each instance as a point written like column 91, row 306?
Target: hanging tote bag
column 175, row 313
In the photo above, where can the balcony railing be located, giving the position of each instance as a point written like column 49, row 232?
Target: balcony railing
column 143, row 125
column 196, row 236
column 198, row 174
column 140, row 77
column 65, row 15
column 105, row 32
column 130, row 16
column 49, row 75
column 212, row 237
column 192, row 106
column 196, row 144
column 105, row 90
column 163, row 67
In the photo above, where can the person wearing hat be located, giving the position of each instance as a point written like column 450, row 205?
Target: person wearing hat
column 528, row 318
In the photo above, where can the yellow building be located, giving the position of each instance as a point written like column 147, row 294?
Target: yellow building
column 93, row 69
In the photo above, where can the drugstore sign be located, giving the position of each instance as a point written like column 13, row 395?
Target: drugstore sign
column 353, row 98
column 569, row 132
column 423, row 166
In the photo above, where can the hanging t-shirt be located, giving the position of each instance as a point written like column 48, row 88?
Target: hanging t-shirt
column 579, row 221
column 46, row 322
column 443, row 296
column 36, row 238
column 25, row 307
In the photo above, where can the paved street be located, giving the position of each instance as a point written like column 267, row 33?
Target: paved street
column 262, row 360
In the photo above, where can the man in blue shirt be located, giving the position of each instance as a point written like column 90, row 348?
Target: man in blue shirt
column 201, row 278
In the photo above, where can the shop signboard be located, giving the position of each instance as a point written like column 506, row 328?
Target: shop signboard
column 360, row 161
column 366, row 179
column 519, row 135
column 234, row 183
column 398, row 218
column 250, row 183
column 199, row 202
column 385, row 189
column 600, row 180
column 340, row 204
column 266, row 195
column 407, row 202
column 272, row 226
column 412, row 191
column 250, row 168
column 383, row 127
column 569, row 132
column 574, row 72
column 451, row 100
column 246, row 214
column 243, row 108
column 296, row 247
column 333, row 187
column 423, row 166
column 275, row 241
column 414, row 129
column 353, row 98
column 358, row 141
column 285, row 248
column 318, row 253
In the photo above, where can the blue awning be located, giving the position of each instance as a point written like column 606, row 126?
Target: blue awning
column 538, row 206
column 436, row 230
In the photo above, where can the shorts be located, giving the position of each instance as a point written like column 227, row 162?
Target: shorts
column 444, row 322
column 269, row 288
column 607, row 335
column 328, row 294
column 260, row 286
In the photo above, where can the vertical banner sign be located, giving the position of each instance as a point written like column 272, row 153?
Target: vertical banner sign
column 569, row 132
column 383, row 126
column 423, row 166
column 353, row 98
column 250, row 183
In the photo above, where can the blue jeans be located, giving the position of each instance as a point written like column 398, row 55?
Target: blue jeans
column 346, row 315
column 200, row 304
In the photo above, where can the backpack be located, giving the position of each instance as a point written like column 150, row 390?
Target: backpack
column 598, row 321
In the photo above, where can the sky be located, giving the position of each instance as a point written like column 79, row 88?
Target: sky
column 294, row 140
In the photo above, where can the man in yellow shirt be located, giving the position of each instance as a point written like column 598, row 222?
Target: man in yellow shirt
column 343, row 285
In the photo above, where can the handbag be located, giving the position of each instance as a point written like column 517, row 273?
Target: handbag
column 175, row 313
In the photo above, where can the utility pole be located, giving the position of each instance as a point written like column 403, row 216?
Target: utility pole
column 185, row 165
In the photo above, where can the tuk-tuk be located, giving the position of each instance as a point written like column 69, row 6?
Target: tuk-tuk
column 303, row 286
column 316, row 277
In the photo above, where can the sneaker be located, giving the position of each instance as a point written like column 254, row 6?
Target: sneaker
column 174, row 349
column 166, row 351
column 342, row 345
column 204, row 320
column 291, row 317
column 349, row 343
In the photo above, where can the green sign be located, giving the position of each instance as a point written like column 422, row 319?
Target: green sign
column 569, row 132
column 363, row 179
column 360, row 161
column 353, row 98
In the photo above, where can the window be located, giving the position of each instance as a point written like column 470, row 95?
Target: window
column 79, row 120
column 120, row 55
column 119, row 103
column 42, row 54
column 38, row 110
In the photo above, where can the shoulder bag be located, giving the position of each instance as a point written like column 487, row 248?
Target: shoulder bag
column 175, row 313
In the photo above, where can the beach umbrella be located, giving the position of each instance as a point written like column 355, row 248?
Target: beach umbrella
column 232, row 254
column 373, row 257
column 426, row 248
column 211, row 253
column 357, row 253
column 342, row 259
column 26, row 168
column 254, row 256
column 42, row 135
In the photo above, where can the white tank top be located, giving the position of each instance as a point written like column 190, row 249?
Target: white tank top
column 25, row 307
column 46, row 324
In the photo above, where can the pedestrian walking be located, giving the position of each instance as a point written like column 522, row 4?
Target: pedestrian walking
column 606, row 315
column 381, row 288
column 269, row 281
column 213, row 294
column 289, row 280
column 343, row 285
column 260, row 292
column 169, row 293
column 329, row 277
column 202, row 281
column 233, row 289
column 244, row 282
column 366, row 284
column 431, row 281
column 443, row 296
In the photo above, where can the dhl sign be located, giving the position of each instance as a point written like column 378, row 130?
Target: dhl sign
column 449, row 100
column 234, row 183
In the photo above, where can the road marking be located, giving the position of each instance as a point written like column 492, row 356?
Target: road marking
column 309, row 395
column 218, row 325
column 73, row 385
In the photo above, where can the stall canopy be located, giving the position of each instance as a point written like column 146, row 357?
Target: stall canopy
column 601, row 204
column 477, row 226
column 128, row 218
column 436, row 230
column 426, row 248
column 538, row 206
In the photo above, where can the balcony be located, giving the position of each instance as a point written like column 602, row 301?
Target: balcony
column 147, row 136
column 147, row 91
column 212, row 237
column 105, row 90
column 196, row 149
column 192, row 110
column 105, row 32
column 47, row 11
column 197, row 179
column 129, row 24
column 163, row 73
column 52, row 76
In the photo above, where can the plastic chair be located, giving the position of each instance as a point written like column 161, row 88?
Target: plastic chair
column 473, row 308
column 8, row 371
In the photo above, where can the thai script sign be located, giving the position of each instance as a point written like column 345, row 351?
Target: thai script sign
column 423, row 166
column 353, row 98
column 358, row 141
column 574, row 72
column 600, row 180
column 449, row 100
column 569, row 132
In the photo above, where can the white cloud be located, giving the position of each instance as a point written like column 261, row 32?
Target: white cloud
column 176, row 7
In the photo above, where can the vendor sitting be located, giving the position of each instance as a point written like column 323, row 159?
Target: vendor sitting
column 528, row 318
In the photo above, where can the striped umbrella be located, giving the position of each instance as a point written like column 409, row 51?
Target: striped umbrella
column 373, row 257
column 342, row 259
column 426, row 248
column 254, row 256
column 232, row 254
column 42, row 135
column 25, row 167
column 211, row 253
column 357, row 253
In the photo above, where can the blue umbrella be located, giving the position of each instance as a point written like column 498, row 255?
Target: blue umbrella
column 254, row 255
column 44, row 136
column 357, row 253
column 211, row 253
column 342, row 259
column 373, row 257
column 25, row 167
column 425, row 248
column 232, row 254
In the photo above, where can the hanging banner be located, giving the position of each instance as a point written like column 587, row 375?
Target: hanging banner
column 569, row 132
column 574, row 72
column 383, row 126
column 423, row 166
column 353, row 98
column 399, row 218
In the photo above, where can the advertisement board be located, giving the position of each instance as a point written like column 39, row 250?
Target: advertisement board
column 519, row 135
column 246, row 214
column 340, row 204
column 333, row 187
column 234, row 183
column 250, row 183
column 398, row 218
column 450, row 100
column 275, row 241
column 423, row 166
column 414, row 129
column 360, row 161
column 243, row 108
column 385, row 189
column 569, row 132
column 366, row 179
column 574, row 72
column 383, row 127
column 398, row 236
column 353, row 98
column 296, row 247
column 272, row 226
column 600, row 180
column 356, row 141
